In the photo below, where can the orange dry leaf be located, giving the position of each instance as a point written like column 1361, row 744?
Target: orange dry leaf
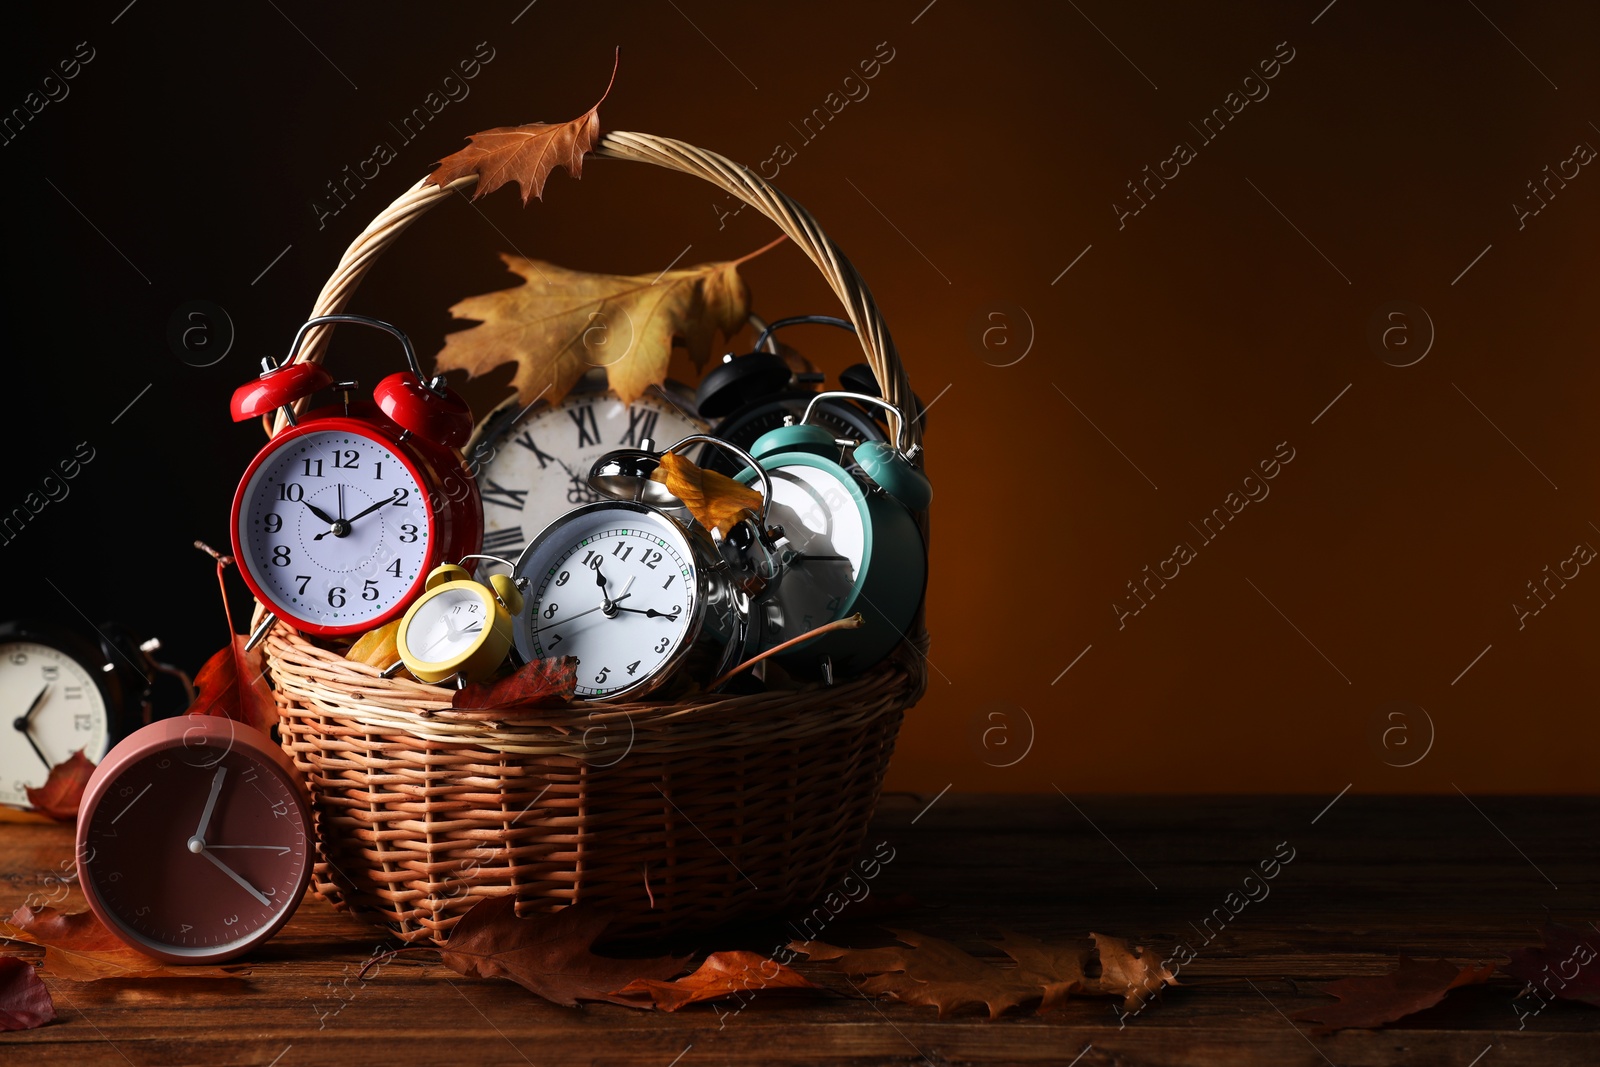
column 716, row 501
column 524, row 154
column 723, row 974
column 1411, row 987
column 63, row 790
column 1564, row 967
column 562, row 323
column 1129, row 971
column 79, row 948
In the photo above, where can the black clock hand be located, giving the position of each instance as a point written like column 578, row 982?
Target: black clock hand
column 651, row 613
column 319, row 513
column 22, row 722
column 382, row 503
column 342, row 526
column 606, row 604
column 340, row 487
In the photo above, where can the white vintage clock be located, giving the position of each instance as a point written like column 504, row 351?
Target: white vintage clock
column 532, row 462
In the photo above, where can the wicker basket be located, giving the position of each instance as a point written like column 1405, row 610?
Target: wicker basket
column 677, row 816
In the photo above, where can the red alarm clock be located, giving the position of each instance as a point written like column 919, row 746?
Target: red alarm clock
column 340, row 518
column 194, row 839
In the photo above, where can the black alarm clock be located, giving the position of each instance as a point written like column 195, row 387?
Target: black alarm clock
column 751, row 394
column 62, row 691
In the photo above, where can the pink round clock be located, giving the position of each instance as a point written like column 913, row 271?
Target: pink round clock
column 194, row 839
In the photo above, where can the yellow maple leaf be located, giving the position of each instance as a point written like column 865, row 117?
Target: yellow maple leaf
column 560, row 323
column 715, row 500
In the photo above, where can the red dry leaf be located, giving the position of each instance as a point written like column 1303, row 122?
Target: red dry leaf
column 1370, row 1002
column 1564, row 967
column 723, row 974
column 547, row 954
column 525, row 154
column 24, row 1000
column 544, row 683
column 79, row 948
column 233, row 683
column 63, row 790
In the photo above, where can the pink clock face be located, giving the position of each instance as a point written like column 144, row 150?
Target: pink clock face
column 193, row 840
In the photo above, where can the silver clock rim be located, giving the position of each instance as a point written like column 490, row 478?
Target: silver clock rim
column 698, row 597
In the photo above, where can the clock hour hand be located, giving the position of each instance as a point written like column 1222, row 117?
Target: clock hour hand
column 319, row 513
column 282, row 850
column 231, row 873
column 23, row 721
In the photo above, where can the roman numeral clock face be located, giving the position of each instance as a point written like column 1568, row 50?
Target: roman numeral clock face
column 335, row 529
column 538, row 468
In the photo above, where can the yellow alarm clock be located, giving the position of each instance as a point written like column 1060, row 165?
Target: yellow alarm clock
column 458, row 628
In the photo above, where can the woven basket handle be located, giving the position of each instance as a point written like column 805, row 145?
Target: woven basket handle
column 733, row 178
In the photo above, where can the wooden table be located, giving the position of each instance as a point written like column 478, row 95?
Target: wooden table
column 1370, row 878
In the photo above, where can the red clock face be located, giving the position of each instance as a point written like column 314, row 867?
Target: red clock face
column 194, row 839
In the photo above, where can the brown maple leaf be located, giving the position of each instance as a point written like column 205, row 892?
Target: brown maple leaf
column 525, row 154
column 79, row 948
column 716, row 501
column 929, row 972
column 1129, row 971
column 1370, row 1002
column 24, row 1001
column 561, row 323
column 1058, row 969
column 63, row 789
column 1564, row 967
column 543, row 683
column 723, row 974
column 547, row 954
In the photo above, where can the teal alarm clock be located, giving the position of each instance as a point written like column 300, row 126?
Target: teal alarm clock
column 850, row 543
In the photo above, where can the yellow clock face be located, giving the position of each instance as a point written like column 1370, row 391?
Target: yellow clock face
column 456, row 626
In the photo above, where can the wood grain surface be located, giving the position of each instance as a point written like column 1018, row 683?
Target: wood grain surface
column 1370, row 878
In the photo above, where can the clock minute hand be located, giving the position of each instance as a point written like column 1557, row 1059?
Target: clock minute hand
column 211, row 805
column 579, row 615
column 382, row 503
column 231, row 873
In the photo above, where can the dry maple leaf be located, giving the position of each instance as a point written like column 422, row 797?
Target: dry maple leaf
column 723, row 974
column 79, row 948
column 1058, row 969
column 716, row 501
column 1564, row 967
column 929, row 972
column 63, row 790
column 543, row 683
column 561, row 323
column 1131, row 972
column 1411, row 987
column 525, row 154
column 546, row 954
column 24, row 1001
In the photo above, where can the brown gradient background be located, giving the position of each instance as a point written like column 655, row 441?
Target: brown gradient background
column 986, row 158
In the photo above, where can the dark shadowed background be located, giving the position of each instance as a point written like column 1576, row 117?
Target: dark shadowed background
column 1340, row 272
